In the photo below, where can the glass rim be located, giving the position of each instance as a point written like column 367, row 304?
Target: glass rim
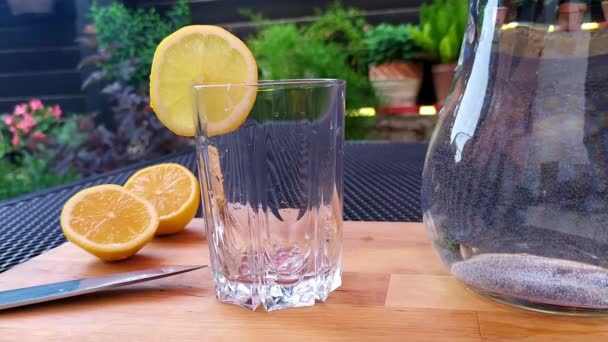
column 286, row 82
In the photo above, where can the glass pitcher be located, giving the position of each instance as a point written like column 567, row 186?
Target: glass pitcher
column 515, row 186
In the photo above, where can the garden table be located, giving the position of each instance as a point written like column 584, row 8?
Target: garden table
column 394, row 288
column 381, row 183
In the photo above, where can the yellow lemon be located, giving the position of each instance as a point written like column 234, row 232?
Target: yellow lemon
column 202, row 55
column 109, row 222
column 172, row 189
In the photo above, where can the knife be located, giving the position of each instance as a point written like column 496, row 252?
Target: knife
column 44, row 293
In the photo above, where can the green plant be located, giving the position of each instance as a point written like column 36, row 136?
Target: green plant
column 344, row 27
column 33, row 125
column 28, row 173
column 332, row 47
column 441, row 29
column 388, row 43
column 41, row 149
column 126, row 40
column 358, row 127
column 138, row 136
column 4, row 145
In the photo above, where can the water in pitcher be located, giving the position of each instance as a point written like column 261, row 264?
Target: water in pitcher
column 515, row 188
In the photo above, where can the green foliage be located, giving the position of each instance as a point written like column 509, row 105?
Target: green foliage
column 387, row 43
column 344, row 27
column 128, row 38
column 138, row 136
column 4, row 146
column 358, row 127
column 37, row 148
column 442, row 26
column 28, row 173
column 331, row 47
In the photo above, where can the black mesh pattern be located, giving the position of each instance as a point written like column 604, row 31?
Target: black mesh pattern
column 381, row 183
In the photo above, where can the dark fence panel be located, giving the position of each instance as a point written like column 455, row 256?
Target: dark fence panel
column 226, row 13
column 38, row 56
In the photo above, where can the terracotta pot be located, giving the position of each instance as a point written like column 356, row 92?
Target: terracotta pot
column 571, row 14
column 443, row 75
column 501, row 15
column 511, row 14
column 605, row 10
column 396, row 84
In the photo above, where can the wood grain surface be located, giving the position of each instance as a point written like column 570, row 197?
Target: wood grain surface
column 394, row 289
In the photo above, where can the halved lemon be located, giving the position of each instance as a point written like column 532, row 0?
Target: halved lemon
column 108, row 221
column 202, row 55
column 172, row 189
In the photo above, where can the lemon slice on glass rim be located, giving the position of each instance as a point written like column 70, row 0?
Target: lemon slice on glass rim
column 202, row 55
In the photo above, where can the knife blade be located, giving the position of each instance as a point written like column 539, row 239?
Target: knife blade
column 48, row 292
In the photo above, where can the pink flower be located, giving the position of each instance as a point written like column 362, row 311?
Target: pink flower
column 20, row 109
column 27, row 123
column 38, row 136
column 36, row 104
column 16, row 140
column 57, row 112
column 8, row 119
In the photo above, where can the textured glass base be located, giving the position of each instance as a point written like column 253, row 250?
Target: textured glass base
column 539, row 307
column 274, row 296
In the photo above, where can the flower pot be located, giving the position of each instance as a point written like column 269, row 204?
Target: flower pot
column 443, row 75
column 501, row 15
column 571, row 14
column 507, row 9
column 396, row 84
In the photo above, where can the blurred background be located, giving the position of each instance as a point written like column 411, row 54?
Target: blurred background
column 74, row 73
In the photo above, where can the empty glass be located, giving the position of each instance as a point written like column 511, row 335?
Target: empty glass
column 272, row 193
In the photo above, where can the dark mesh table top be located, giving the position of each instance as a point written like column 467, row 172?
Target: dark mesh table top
column 381, row 183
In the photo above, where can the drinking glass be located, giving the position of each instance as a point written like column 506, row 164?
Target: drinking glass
column 272, row 193
column 515, row 186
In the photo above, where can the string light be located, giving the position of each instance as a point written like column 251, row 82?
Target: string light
column 590, row 26
column 427, row 110
column 510, row 26
column 366, row 111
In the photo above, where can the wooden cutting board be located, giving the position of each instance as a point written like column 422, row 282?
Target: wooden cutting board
column 394, row 289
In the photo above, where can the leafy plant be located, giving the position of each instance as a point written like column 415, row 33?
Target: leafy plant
column 388, row 43
column 4, row 145
column 41, row 148
column 29, row 173
column 30, row 120
column 126, row 39
column 342, row 26
column 332, row 47
column 441, row 29
column 139, row 135
column 358, row 127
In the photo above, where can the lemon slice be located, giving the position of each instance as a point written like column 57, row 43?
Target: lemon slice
column 202, row 55
column 174, row 192
column 108, row 221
